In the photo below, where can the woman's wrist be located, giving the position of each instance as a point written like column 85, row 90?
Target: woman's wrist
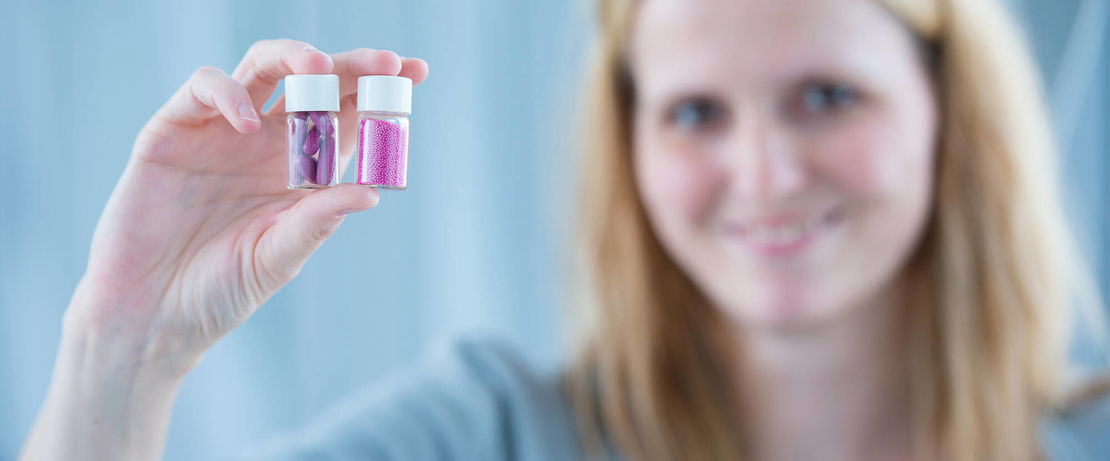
column 96, row 349
column 123, row 331
column 110, row 397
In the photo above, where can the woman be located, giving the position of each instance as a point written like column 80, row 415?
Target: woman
column 817, row 229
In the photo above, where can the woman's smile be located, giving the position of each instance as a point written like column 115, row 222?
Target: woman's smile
column 783, row 236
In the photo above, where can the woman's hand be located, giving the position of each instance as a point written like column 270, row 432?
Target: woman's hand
column 198, row 233
column 201, row 230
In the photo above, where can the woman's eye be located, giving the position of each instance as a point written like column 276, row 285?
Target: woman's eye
column 696, row 114
column 819, row 98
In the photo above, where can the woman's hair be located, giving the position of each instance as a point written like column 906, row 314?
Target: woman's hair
column 992, row 283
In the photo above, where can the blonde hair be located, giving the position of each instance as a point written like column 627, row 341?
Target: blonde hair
column 991, row 280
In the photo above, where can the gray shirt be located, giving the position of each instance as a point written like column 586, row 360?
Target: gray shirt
column 477, row 400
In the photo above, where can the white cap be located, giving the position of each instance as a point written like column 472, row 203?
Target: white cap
column 311, row 92
column 384, row 93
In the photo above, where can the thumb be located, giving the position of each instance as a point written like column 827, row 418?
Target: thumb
column 285, row 246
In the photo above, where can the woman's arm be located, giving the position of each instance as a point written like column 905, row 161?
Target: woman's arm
column 110, row 397
column 198, row 233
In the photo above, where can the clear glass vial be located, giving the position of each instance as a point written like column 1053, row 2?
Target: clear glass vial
column 382, row 157
column 311, row 102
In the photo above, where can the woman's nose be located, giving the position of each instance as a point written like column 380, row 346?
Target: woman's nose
column 763, row 163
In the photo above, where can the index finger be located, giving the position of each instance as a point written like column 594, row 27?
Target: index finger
column 269, row 61
column 350, row 65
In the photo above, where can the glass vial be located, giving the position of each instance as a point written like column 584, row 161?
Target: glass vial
column 384, row 103
column 311, row 102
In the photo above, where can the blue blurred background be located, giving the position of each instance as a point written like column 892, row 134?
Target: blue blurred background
column 478, row 242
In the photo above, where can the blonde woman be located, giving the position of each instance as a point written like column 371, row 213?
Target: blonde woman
column 816, row 230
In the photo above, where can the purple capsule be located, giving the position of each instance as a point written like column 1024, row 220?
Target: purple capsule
column 326, row 125
column 306, row 169
column 297, row 131
column 295, row 178
column 298, row 125
column 323, row 122
column 325, row 172
column 311, row 142
column 296, row 170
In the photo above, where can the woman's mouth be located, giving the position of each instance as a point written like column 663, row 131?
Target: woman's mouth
column 785, row 234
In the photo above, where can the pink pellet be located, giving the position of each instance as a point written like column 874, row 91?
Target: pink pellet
column 382, row 154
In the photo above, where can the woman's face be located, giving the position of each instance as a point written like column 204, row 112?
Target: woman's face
column 784, row 150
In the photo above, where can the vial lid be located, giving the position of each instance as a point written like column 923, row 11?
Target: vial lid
column 384, row 93
column 311, row 92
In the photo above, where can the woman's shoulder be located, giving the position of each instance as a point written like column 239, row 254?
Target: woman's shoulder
column 490, row 359
column 1080, row 430
column 490, row 365
column 476, row 397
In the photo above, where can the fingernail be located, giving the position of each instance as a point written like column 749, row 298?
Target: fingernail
column 310, row 49
column 246, row 112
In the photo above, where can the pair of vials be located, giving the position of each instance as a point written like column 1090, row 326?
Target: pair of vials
column 312, row 103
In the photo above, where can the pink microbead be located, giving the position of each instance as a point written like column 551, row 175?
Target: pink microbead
column 382, row 154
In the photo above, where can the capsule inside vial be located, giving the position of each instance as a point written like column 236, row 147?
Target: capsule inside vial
column 313, row 127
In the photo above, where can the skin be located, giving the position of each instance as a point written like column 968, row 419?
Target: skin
column 784, row 151
column 182, row 254
column 198, row 233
